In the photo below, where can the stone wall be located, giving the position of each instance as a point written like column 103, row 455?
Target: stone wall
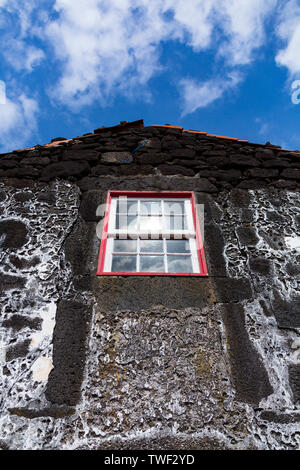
column 145, row 362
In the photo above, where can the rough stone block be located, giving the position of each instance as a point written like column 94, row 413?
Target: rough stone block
column 69, row 351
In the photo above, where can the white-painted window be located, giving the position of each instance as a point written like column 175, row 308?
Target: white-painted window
column 150, row 235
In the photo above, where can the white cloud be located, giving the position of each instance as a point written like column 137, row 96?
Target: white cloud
column 102, row 49
column 115, row 47
column 18, row 23
column 288, row 31
column 18, row 122
column 243, row 22
column 197, row 95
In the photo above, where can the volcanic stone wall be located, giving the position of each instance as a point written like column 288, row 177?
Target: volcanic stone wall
column 145, row 362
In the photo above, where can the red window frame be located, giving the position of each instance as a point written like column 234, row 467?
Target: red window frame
column 159, row 195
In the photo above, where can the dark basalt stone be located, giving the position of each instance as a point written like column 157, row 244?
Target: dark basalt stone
column 291, row 173
column 214, row 249
column 47, row 197
column 175, row 170
column 8, row 282
column 183, row 153
column 287, row 312
column 35, row 161
column 246, row 236
column 77, row 246
column 69, row 351
column 15, row 234
column 276, row 163
column 8, row 164
column 261, row 266
column 229, row 175
column 24, row 263
column 263, row 173
column 65, row 169
column 18, row 350
column 81, row 154
column 104, row 170
column 250, row 378
column 22, row 172
column 280, row 418
column 91, row 201
column 232, row 290
column 243, row 161
column 18, row 322
column 23, row 197
column 294, row 379
column 293, row 269
column 53, row 411
column 115, row 293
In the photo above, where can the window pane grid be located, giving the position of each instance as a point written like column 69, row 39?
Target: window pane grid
column 171, row 246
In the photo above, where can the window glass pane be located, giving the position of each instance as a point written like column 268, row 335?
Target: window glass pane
column 154, row 264
column 125, row 246
column 152, row 246
column 123, row 264
column 126, row 206
column 180, row 264
column 174, row 207
column 150, row 224
column 150, row 208
column 178, row 246
column 124, row 222
column 176, row 223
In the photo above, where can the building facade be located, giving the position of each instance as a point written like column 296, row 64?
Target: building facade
column 129, row 361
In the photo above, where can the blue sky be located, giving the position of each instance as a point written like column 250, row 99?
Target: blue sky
column 223, row 67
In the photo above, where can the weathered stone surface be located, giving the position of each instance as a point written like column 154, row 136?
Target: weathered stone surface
column 246, row 236
column 14, row 234
column 18, row 350
column 77, row 246
column 232, row 290
column 261, row 266
column 65, row 170
column 91, row 201
column 103, row 170
column 144, row 292
column 76, row 153
column 294, row 379
column 47, row 197
column 291, row 173
column 18, row 322
column 287, row 312
column 214, row 248
column 26, row 171
column 264, row 153
column 8, row 282
column 276, row 163
column 281, row 418
column 183, row 153
column 69, row 350
column 53, row 411
column 252, row 184
column 249, row 375
column 7, row 164
column 230, row 175
column 24, row 263
column 175, row 170
column 243, row 161
column 35, row 161
column 263, row 173
column 116, row 157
